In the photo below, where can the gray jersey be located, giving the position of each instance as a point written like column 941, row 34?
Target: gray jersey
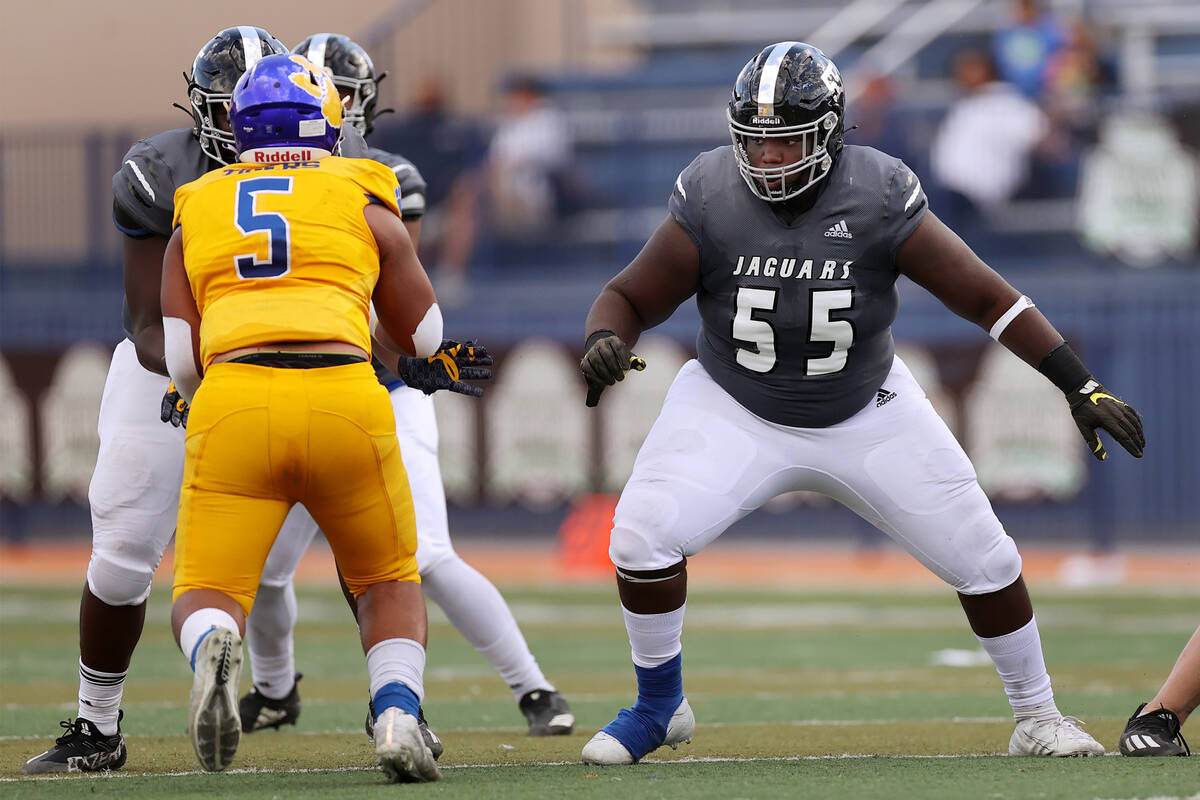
column 412, row 184
column 797, row 317
column 412, row 206
column 144, row 188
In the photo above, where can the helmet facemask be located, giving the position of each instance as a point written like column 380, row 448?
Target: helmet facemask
column 360, row 101
column 215, row 72
column 793, row 179
column 789, row 91
column 207, row 109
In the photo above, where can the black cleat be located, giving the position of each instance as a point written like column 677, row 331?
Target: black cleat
column 547, row 712
column 431, row 739
column 1153, row 734
column 81, row 749
column 259, row 712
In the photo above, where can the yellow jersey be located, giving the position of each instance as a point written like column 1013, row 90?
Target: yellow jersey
column 282, row 252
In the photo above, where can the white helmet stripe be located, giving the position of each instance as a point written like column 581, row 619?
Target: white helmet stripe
column 251, row 46
column 316, row 49
column 770, row 74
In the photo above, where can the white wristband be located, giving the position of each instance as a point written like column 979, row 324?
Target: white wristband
column 427, row 338
column 1022, row 303
column 181, row 363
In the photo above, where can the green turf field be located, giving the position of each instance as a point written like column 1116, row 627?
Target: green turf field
column 805, row 694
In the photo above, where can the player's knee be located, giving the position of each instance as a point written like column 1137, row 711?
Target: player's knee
column 996, row 569
column 120, row 582
column 634, row 550
column 642, row 530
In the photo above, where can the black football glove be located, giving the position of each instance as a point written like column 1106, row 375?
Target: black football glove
column 448, row 368
column 606, row 361
column 174, row 408
column 1094, row 407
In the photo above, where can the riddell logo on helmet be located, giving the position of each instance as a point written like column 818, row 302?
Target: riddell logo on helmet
column 280, row 156
column 766, row 121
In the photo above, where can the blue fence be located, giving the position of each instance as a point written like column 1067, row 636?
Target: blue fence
column 1138, row 330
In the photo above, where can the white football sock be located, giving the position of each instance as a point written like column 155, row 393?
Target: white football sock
column 654, row 639
column 100, row 697
column 1019, row 661
column 199, row 623
column 269, row 640
column 399, row 660
column 477, row 610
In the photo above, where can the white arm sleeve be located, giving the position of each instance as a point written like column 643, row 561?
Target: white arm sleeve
column 427, row 338
column 181, row 363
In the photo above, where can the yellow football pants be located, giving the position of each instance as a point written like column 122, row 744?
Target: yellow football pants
column 260, row 439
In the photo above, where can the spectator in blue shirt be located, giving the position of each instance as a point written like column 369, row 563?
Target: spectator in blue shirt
column 1024, row 49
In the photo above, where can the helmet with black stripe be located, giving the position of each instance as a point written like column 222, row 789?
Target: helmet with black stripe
column 790, row 90
column 215, row 72
column 353, row 73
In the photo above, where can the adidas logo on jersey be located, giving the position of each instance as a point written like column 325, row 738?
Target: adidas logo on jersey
column 839, row 231
column 883, row 396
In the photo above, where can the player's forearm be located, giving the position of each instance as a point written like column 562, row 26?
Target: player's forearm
column 1029, row 335
column 148, row 342
column 613, row 311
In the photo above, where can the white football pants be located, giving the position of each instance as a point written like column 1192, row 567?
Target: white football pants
column 707, row 462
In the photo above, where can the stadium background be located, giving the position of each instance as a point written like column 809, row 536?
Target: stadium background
column 642, row 84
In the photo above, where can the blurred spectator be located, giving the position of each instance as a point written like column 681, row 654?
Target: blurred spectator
column 982, row 150
column 528, row 160
column 1076, row 76
column 1023, row 50
column 449, row 149
column 873, row 118
column 1073, row 78
column 1139, row 193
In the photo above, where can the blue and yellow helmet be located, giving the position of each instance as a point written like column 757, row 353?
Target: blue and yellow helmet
column 285, row 108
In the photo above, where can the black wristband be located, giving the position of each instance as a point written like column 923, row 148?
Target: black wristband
column 399, row 369
column 596, row 336
column 1064, row 369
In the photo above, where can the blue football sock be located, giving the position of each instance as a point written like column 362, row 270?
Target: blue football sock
column 395, row 694
column 643, row 728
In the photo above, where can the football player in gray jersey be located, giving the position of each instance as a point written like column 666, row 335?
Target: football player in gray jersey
column 473, row 605
column 792, row 244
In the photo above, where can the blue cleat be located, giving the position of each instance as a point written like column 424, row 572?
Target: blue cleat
column 634, row 733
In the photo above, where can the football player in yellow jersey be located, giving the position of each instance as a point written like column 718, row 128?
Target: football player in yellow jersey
column 268, row 283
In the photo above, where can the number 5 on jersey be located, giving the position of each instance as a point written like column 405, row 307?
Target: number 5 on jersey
column 250, row 221
column 822, row 328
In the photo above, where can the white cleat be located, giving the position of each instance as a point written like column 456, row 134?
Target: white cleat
column 605, row 749
column 401, row 749
column 214, row 724
column 1058, row 738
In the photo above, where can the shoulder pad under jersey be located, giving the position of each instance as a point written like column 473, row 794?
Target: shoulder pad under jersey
column 703, row 175
column 144, row 187
column 412, row 184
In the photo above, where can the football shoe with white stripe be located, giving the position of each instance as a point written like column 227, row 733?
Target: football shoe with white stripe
column 1153, row 734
